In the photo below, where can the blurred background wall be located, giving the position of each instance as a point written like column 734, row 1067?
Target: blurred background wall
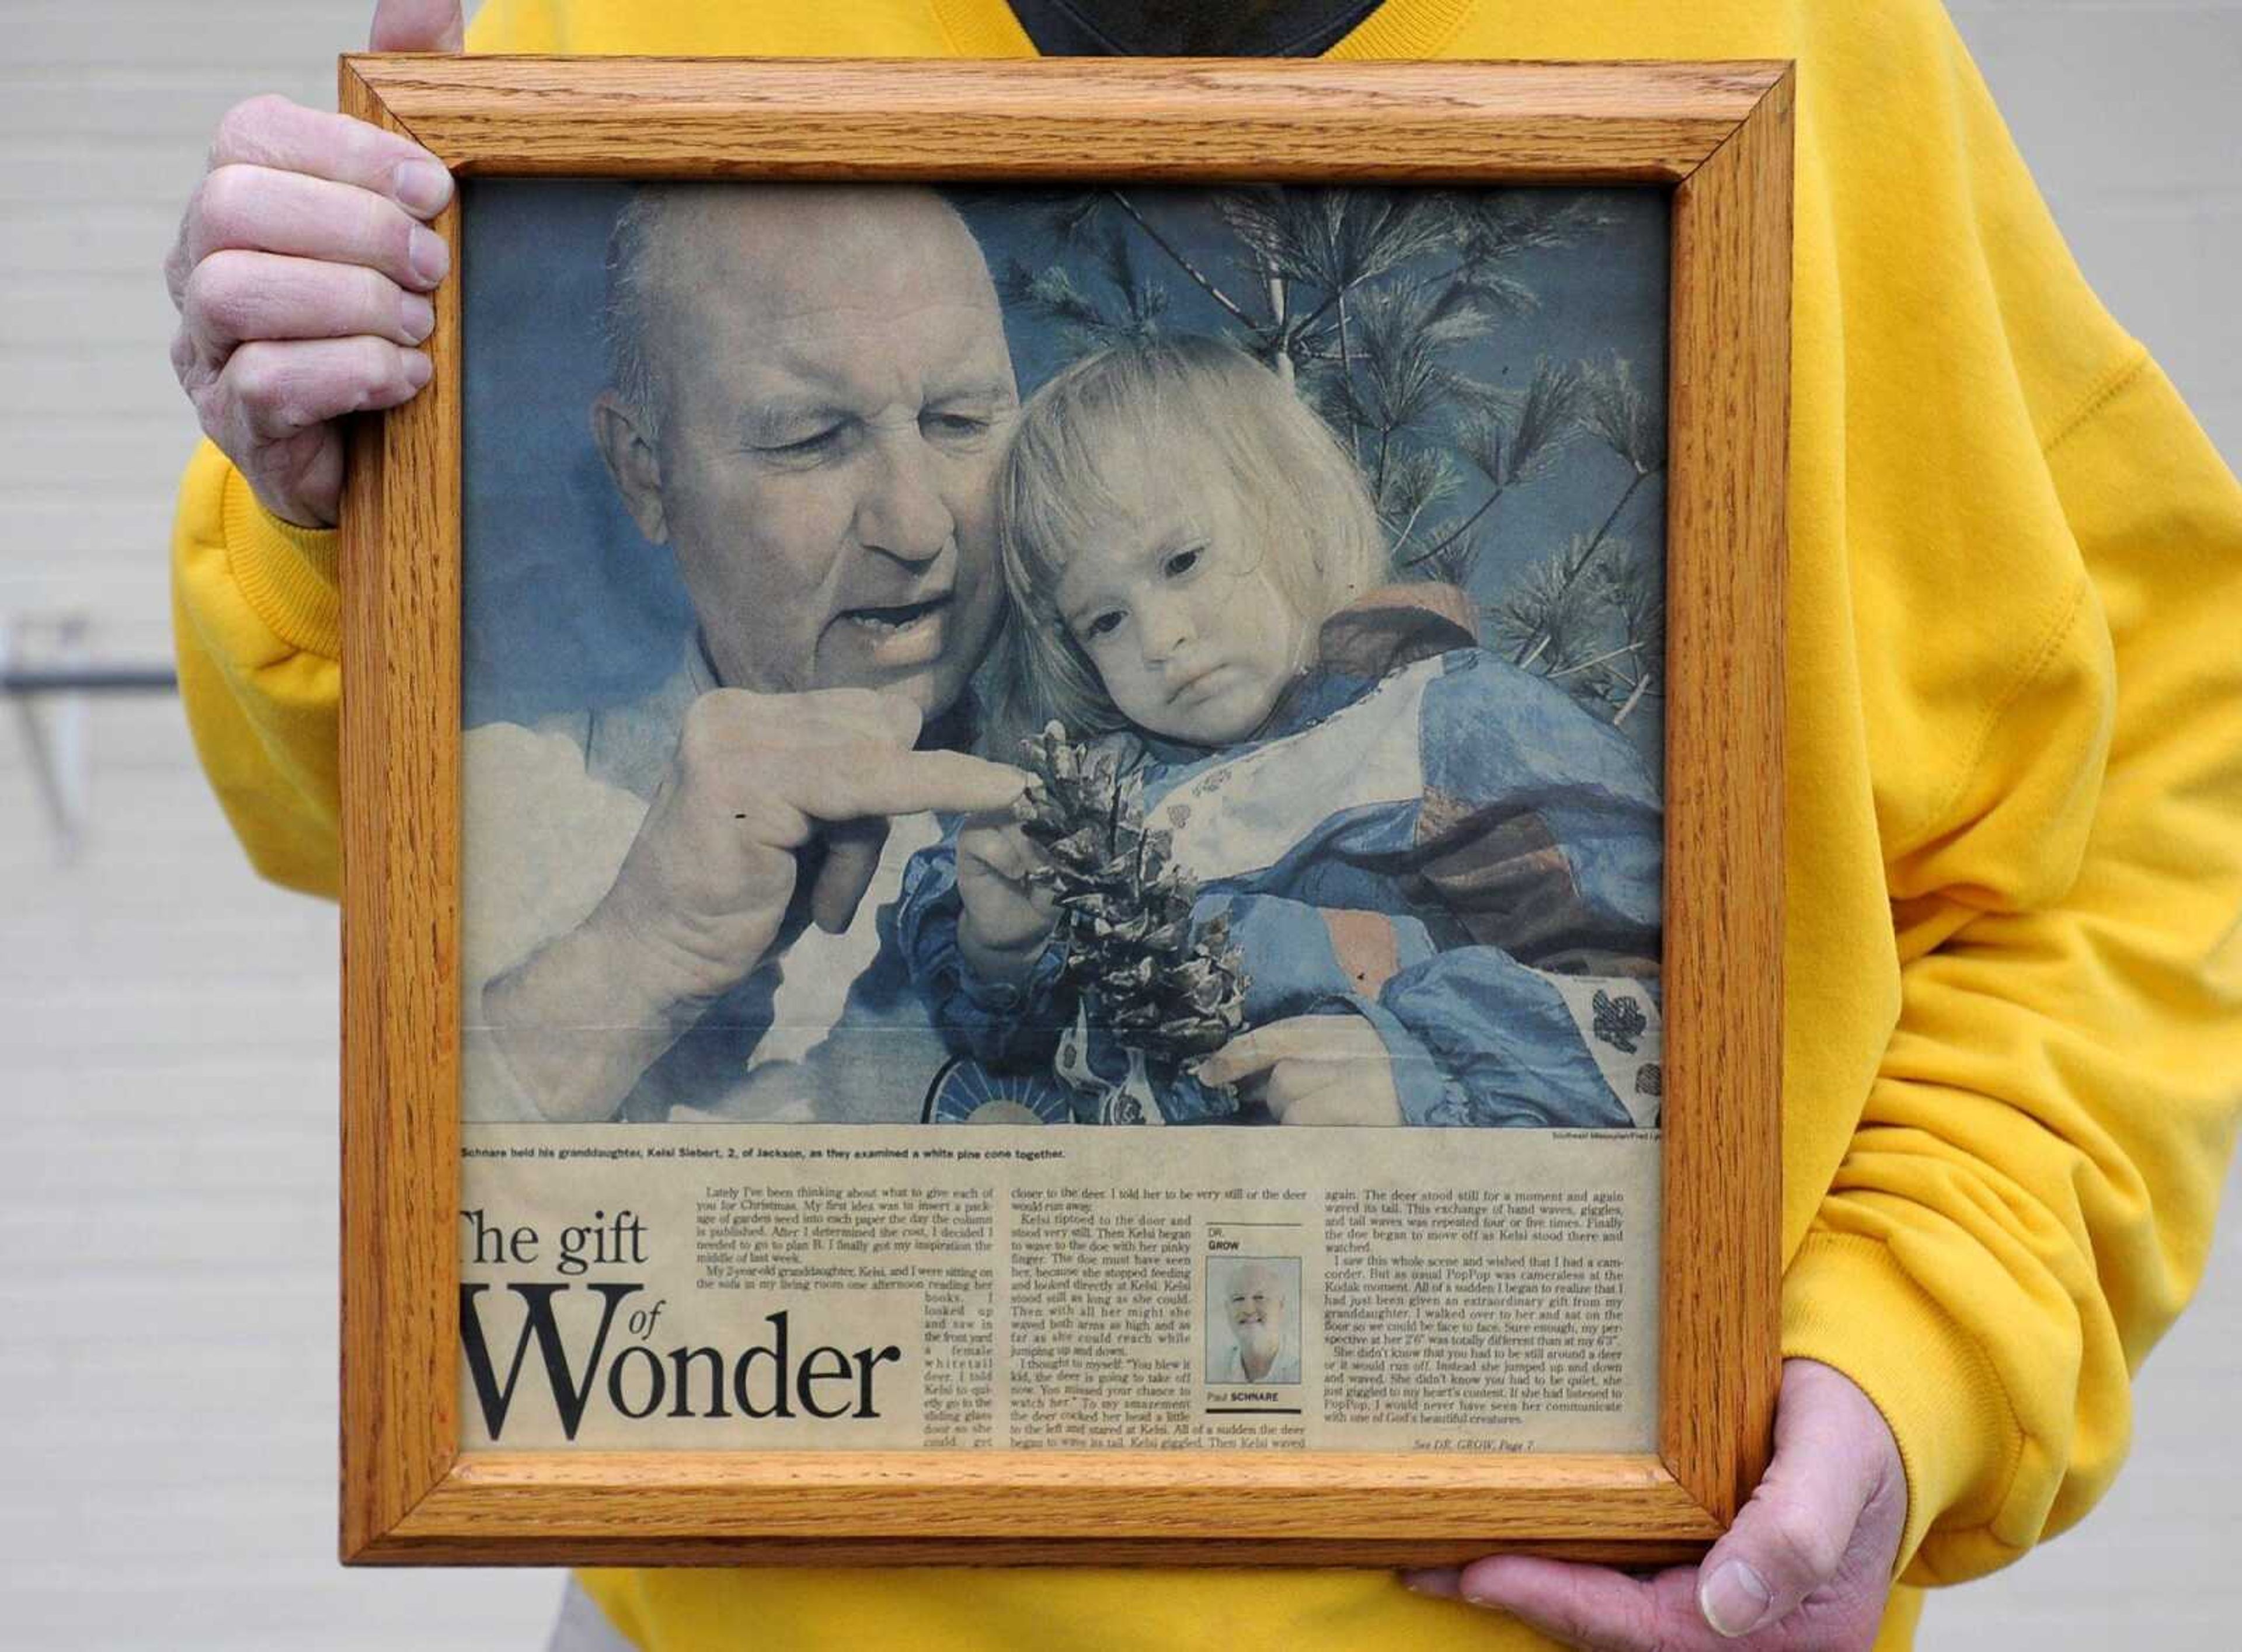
column 167, row 1023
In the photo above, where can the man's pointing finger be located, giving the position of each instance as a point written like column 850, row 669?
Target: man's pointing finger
column 860, row 782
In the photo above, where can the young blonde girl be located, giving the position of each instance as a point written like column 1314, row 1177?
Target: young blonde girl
column 1432, row 862
column 1194, row 438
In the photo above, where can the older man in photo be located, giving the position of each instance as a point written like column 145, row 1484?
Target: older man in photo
column 1258, row 1304
column 666, row 905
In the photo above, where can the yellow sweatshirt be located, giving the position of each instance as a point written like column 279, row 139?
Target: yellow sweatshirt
column 2015, row 837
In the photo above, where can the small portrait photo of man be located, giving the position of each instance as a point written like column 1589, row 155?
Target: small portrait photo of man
column 1253, row 1319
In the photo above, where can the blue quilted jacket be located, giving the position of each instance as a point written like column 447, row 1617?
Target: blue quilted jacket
column 1423, row 836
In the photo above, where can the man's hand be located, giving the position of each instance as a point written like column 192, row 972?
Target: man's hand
column 1807, row 1565
column 1008, row 917
column 706, row 885
column 301, row 275
column 703, row 891
column 1312, row 1070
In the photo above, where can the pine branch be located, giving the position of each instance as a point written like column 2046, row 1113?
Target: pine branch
column 1182, row 263
column 1587, row 554
column 1515, row 450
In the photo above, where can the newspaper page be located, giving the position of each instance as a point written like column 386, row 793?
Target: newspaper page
column 837, row 1287
column 1062, row 818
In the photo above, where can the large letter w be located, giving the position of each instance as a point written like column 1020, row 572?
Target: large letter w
column 569, row 1393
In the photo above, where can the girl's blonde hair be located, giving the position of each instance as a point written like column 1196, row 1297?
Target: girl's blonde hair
column 1203, row 413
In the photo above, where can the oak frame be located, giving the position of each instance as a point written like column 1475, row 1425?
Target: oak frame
column 1719, row 137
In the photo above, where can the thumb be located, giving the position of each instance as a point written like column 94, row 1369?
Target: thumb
column 852, row 861
column 1795, row 1533
column 417, row 25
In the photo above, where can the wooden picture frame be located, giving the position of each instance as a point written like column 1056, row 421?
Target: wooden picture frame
column 1718, row 136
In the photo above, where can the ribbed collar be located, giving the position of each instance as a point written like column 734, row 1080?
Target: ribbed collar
column 1400, row 29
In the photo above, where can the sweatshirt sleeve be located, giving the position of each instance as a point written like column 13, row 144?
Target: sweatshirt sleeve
column 2043, row 563
column 2033, row 1182
column 256, row 626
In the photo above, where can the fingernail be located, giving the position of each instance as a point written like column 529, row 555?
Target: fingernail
column 1734, row 1599
column 418, row 369
column 421, row 186
column 417, row 316
column 1441, row 1585
column 431, row 259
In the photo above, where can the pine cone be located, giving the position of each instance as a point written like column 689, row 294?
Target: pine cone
column 1171, row 992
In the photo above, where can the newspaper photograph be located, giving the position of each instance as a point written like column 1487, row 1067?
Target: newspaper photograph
column 1028, row 659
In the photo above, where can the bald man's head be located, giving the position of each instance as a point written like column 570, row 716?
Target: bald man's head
column 672, row 241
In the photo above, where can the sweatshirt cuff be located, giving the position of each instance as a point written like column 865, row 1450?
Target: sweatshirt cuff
column 1849, row 1304
column 287, row 574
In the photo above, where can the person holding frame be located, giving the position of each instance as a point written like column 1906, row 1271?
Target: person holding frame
column 2015, row 866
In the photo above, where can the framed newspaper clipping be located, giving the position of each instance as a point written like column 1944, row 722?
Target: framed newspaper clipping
column 1062, row 801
